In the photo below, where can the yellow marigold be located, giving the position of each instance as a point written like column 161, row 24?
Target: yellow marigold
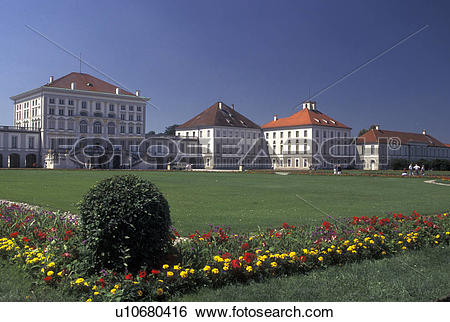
column 183, row 274
column 89, row 300
column 292, row 254
column 215, row 271
column 206, row 268
column 96, row 293
column 113, row 291
column 50, row 273
column 60, row 273
column 305, row 251
column 403, row 247
column 176, row 267
column 79, row 280
column 192, row 271
column 159, row 291
column 258, row 263
column 86, row 284
column 169, row 274
column 437, row 236
column 383, row 253
column 165, row 266
column 273, row 264
column 320, row 258
column 248, row 268
column 371, row 241
column 226, row 268
column 216, row 258
column 139, row 292
column 94, row 287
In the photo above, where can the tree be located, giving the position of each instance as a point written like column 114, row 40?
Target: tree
column 170, row 130
column 365, row 131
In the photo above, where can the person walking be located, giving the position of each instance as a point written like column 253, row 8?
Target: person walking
column 339, row 169
column 416, row 169
column 410, row 168
column 422, row 170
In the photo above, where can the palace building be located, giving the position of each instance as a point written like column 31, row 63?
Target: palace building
column 377, row 148
column 308, row 138
column 227, row 139
column 76, row 106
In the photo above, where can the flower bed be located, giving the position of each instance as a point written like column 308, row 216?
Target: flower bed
column 46, row 244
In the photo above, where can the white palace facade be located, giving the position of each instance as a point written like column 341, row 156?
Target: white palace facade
column 76, row 106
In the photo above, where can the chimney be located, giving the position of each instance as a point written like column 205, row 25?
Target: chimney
column 275, row 117
column 424, row 132
column 306, row 105
column 377, row 127
column 313, row 105
column 73, row 86
column 117, row 90
column 220, row 105
column 51, row 79
column 232, row 105
column 138, row 92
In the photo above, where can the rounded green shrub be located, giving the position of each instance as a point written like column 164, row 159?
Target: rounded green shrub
column 124, row 224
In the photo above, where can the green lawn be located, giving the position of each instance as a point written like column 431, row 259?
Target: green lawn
column 240, row 200
column 420, row 275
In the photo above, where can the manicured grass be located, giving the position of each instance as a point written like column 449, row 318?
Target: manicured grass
column 17, row 286
column 244, row 201
column 413, row 276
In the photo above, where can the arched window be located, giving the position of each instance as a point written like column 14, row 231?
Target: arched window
column 111, row 128
column 97, row 127
column 83, row 126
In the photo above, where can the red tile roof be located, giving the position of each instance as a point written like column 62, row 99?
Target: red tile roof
column 305, row 117
column 86, row 82
column 375, row 136
column 214, row 116
column 447, row 145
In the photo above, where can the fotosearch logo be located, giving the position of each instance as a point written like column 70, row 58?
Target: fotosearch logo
column 162, row 151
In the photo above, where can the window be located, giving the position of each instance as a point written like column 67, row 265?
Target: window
column 97, row 127
column 131, row 108
column 281, row 135
column 372, row 149
column 130, row 129
column 61, row 101
column 70, row 112
column 289, row 134
column 201, row 133
column 83, row 113
column 138, row 117
column 274, row 135
column 51, row 123
column 297, row 133
column 61, row 124
column 111, row 128
column 122, row 129
column 122, row 117
column 83, row 104
column 83, row 126
column 297, row 163
column 111, row 107
column 51, row 111
column 138, row 108
column 208, row 133
column 51, row 101
column 122, row 107
column 70, row 102
column 14, row 142
column 138, row 129
column 98, row 106
column 70, row 124
column 130, row 117
column 267, row 136
column 61, row 111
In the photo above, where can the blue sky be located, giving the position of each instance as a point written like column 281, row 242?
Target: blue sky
column 263, row 56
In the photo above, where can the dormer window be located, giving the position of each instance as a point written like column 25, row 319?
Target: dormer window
column 316, row 120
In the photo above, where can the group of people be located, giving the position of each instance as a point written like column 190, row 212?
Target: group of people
column 337, row 169
column 414, row 170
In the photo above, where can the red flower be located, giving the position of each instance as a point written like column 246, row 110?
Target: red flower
column 128, row 277
column 249, row 257
column 155, row 271
column 302, row 259
column 47, row 278
column 26, row 240
column 235, row 263
column 285, row 225
column 143, row 274
column 14, row 234
column 226, row 255
column 245, row 246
